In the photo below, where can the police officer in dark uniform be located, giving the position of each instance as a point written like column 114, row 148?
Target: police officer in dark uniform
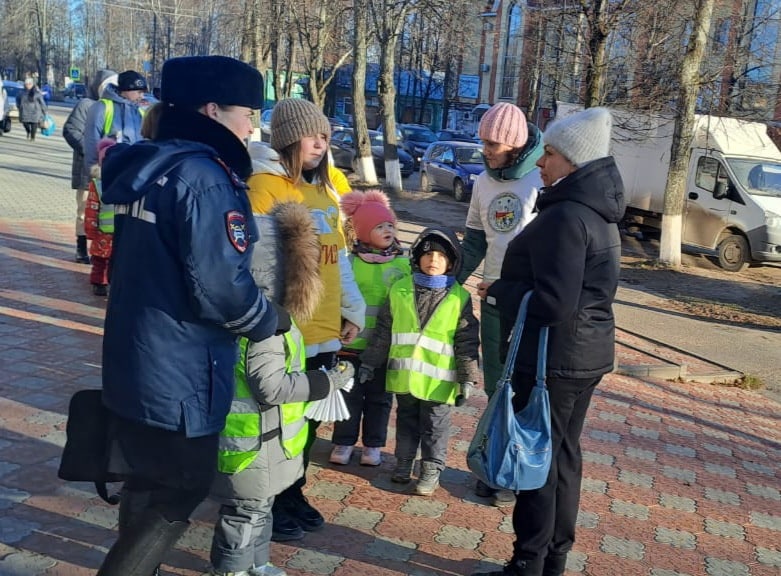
column 181, row 293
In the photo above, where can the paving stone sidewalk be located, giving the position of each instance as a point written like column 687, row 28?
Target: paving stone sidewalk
column 679, row 478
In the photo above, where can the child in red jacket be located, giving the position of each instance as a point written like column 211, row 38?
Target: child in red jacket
column 99, row 225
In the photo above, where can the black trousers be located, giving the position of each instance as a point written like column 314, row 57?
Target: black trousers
column 168, row 471
column 544, row 519
column 370, row 407
column 31, row 128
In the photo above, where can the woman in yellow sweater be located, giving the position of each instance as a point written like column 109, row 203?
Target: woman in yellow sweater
column 296, row 169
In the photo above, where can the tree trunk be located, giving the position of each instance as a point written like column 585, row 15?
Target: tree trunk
column 364, row 163
column 387, row 90
column 689, row 76
column 595, row 73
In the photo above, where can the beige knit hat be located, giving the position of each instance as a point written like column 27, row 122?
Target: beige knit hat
column 294, row 118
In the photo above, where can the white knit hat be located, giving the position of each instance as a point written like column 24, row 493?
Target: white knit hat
column 581, row 137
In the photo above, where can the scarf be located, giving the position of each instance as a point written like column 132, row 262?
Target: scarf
column 439, row 281
column 372, row 255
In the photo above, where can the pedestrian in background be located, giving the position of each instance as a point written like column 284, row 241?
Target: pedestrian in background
column 99, row 225
column 296, row 169
column 262, row 445
column 73, row 132
column 116, row 114
column 377, row 262
column 32, row 108
column 569, row 255
column 428, row 336
column 502, row 204
column 182, row 293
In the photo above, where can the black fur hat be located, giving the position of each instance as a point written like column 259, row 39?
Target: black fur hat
column 195, row 80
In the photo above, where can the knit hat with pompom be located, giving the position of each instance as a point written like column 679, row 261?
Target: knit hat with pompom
column 367, row 210
column 103, row 145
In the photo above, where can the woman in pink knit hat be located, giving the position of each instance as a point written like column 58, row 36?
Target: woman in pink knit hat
column 502, row 204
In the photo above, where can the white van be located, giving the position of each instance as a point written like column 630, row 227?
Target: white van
column 733, row 190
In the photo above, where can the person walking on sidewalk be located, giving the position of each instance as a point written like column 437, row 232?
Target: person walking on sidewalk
column 182, row 292
column 32, row 108
column 570, row 257
column 296, row 169
column 73, row 132
column 502, row 204
column 99, row 225
column 378, row 261
column 261, row 447
column 429, row 337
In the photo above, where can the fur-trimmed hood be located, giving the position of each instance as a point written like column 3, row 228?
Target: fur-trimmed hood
column 285, row 261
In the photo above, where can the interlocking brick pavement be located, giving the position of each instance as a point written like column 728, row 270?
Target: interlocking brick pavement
column 680, row 479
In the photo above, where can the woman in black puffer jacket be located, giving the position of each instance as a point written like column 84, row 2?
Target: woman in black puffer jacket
column 570, row 257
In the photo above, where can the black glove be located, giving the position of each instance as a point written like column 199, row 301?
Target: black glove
column 365, row 373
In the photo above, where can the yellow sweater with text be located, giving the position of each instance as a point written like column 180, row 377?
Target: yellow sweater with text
column 269, row 188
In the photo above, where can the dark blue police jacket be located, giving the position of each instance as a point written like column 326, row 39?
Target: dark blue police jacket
column 181, row 289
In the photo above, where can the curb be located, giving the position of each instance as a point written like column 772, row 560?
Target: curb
column 672, row 370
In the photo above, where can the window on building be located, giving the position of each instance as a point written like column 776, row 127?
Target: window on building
column 512, row 52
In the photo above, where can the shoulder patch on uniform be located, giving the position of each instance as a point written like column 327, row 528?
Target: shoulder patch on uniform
column 236, row 226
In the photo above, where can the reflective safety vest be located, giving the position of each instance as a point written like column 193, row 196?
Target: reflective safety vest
column 375, row 281
column 423, row 362
column 106, row 213
column 241, row 438
column 108, row 117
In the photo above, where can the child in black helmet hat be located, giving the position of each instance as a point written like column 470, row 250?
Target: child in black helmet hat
column 428, row 335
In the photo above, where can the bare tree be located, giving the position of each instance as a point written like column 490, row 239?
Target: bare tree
column 689, row 83
column 364, row 163
column 316, row 25
column 388, row 18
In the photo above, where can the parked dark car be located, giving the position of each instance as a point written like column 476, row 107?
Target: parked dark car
column 343, row 152
column 451, row 166
column 414, row 138
column 452, row 135
column 75, row 90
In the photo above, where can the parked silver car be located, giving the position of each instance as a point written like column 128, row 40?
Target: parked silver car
column 9, row 111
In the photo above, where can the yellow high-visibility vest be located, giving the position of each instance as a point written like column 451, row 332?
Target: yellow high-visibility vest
column 422, row 362
column 241, row 438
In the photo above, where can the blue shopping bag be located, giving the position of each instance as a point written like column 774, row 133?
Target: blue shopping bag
column 47, row 125
column 509, row 450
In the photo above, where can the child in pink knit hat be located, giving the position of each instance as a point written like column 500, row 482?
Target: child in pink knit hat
column 99, row 225
column 377, row 262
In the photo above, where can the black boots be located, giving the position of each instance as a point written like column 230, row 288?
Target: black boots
column 516, row 568
column 142, row 545
column 555, row 565
column 81, row 250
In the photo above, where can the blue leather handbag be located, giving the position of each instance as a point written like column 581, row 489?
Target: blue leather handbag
column 513, row 450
